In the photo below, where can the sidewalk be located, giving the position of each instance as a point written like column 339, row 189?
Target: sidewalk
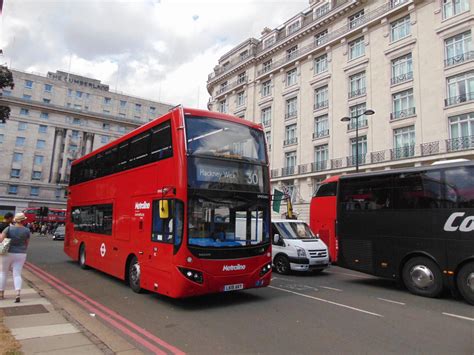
column 40, row 328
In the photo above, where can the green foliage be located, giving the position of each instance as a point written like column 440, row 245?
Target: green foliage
column 6, row 80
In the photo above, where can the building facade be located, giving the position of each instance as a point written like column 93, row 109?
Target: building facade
column 55, row 119
column 410, row 61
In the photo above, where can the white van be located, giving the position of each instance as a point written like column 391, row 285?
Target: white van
column 295, row 247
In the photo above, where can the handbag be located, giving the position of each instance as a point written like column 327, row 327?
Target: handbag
column 5, row 245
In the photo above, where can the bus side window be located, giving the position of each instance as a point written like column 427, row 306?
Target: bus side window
column 162, row 228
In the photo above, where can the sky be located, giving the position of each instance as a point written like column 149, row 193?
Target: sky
column 161, row 50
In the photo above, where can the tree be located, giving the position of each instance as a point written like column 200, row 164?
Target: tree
column 6, row 80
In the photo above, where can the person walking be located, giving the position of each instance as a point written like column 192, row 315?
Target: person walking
column 16, row 257
column 7, row 220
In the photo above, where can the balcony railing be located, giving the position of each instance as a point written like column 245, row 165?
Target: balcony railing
column 290, row 170
column 319, row 165
column 302, row 169
column 458, row 59
column 274, row 173
column 353, row 123
column 291, row 114
column 290, row 141
column 356, row 160
column 267, row 123
column 409, row 112
column 402, row 78
column 461, row 143
column 230, row 86
column 406, row 151
column 321, row 133
column 459, row 99
column 377, row 157
column 429, row 148
column 321, row 104
column 355, row 93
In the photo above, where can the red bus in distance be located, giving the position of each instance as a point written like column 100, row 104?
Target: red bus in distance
column 55, row 215
column 179, row 206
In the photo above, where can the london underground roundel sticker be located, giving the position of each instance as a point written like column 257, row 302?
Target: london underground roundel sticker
column 103, row 250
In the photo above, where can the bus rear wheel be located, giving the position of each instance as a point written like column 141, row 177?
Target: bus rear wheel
column 422, row 277
column 282, row 264
column 82, row 256
column 465, row 282
column 134, row 275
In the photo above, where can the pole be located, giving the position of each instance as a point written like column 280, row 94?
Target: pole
column 357, row 144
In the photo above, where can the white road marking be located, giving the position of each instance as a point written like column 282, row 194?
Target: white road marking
column 327, row 301
column 457, row 316
column 331, row 288
column 396, row 302
column 282, row 278
column 346, row 273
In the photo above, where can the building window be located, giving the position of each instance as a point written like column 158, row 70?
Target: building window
column 358, row 110
column 15, row 173
column 293, row 27
column 321, row 38
column 22, row 126
column 104, row 139
column 403, row 104
column 44, row 115
column 76, row 121
column 79, row 95
column 266, row 88
column 123, row 104
column 290, row 162
column 223, row 106
column 69, row 92
column 321, row 156
column 357, row 85
column 13, row 189
column 152, row 110
column 34, row 191
column 2, row 138
column 321, row 11
column 267, row 66
column 72, row 149
column 38, row 160
column 242, row 78
column 7, row 93
column 321, row 98
column 358, row 150
column 460, row 89
column 40, row 144
column 75, row 134
column 458, row 49
column 58, row 193
column 107, row 101
column 48, row 88
column 20, row 142
column 321, row 64
column 24, row 112
column 28, row 84
column 266, row 116
column 290, row 135
column 461, row 131
column 36, row 175
column 321, row 127
column 26, row 97
column 106, row 126
column 291, row 77
column 356, row 48
column 121, row 129
column 17, row 157
column 240, row 98
column 42, row 129
column 122, row 115
column 268, row 137
column 402, row 69
column 291, row 110
column 46, row 101
column 269, row 41
column 356, row 19
column 404, row 142
column 78, row 107
column 454, row 7
column 400, row 29
column 244, row 55
column 138, row 107
column 292, row 53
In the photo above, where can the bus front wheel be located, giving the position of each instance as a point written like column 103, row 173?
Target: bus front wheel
column 134, row 275
column 465, row 282
column 82, row 256
column 422, row 277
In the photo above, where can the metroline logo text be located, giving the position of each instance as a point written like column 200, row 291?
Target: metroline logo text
column 464, row 225
column 142, row 205
column 233, row 267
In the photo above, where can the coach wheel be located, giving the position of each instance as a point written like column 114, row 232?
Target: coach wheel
column 82, row 257
column 465, row 282
column 422, row 277
column 134, row 275
column 282, row 264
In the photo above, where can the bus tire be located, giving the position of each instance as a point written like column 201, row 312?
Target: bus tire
column 422, row 277
column 465, row 282
column 82, row 256
column 282, row 265
column 134, row 275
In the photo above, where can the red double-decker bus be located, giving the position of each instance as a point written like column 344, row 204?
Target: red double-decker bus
column 179, row 206
column 55, row 215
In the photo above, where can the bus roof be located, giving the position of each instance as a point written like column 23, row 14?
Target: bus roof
column 158, row 120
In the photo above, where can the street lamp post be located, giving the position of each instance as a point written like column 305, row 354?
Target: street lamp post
column 348, row 119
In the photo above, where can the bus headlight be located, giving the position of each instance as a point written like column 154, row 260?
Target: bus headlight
column 300, row 252
column 265, row 269
column 192, row 275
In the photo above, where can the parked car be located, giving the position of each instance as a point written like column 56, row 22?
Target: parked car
column 59, row 233
column 296, row 247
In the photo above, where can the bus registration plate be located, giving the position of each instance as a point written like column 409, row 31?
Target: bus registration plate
column 233, row 287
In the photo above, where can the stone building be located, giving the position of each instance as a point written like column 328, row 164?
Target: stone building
column 55, row 119
column 409, row 61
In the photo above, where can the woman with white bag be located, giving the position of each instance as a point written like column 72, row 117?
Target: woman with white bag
column 19, row 236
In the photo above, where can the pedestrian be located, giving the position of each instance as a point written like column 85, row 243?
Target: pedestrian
column 7, row 220
column 43, row 229
column 16, row 256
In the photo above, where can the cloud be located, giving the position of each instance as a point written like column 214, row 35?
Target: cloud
column 157, row 49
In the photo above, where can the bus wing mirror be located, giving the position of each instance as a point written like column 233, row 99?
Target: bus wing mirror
column 164, row 209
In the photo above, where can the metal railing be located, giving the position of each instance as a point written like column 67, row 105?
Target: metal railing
column 290, row 141
column 454, row 100
column 321, row 104
column 354, row 160
column 291, row 114
column 458, row 59
column 319, row 165
column 321, row 133
column 289, row 170
column 267, row 123
column 409, row 112
column 364, row 122
column 460, row 143
column 355, row 93
column 406, row 151
column 402, row 78
column 233, row 85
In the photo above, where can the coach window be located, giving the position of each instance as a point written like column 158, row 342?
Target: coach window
column 162, row 228
column 459, row 191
